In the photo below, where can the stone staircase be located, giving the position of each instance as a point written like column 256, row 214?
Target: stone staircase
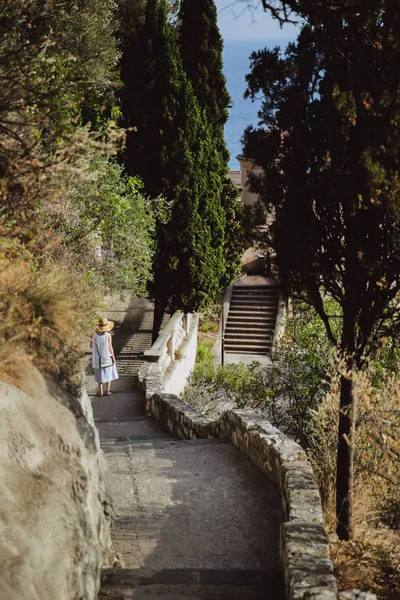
column 251, row 319
column 180, row 531
column 189, row 584
column 194, row 519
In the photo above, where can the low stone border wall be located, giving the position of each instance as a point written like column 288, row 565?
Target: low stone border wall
column 304, row 545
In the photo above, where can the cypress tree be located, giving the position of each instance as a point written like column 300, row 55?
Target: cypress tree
column 201, row 50
column 169, row 149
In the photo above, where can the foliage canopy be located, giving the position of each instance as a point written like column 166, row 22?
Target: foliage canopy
column 331, row 156
column 61, row 191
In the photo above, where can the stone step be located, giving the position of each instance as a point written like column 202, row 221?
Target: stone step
column 249, row 351
column 259, row 319
column 248, row 348
column 239, row 302
column 232, row 338
column 192, row 584
column 243, row 327
column 245, row 335
column 142, row 429
column 269, row 303
column 236, row 294
column 253, row 311
column 250, row 328
column 190, row 508
column 255, row 332
column 251, row 317
column 118, row 406
column 252, row 307
column 126, row 419
column 255, row 296
column 254, row 302
column 243, row 291
column 119, row 446
column 247, row 341
column 257, row 322
column 123, row 445
column 253, row 288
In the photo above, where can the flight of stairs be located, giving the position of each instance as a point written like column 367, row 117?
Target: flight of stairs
column 251, row 319
column 180, row 532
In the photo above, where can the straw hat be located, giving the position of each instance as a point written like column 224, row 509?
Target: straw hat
column 104, row 324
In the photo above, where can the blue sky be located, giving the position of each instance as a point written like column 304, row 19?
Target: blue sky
column 237, row 21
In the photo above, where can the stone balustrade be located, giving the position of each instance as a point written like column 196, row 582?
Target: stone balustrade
column 171, row 358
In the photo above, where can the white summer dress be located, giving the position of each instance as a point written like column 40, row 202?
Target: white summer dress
column 100, row 350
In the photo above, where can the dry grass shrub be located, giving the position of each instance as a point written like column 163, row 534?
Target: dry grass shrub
column 372, row 560
column 43, row 314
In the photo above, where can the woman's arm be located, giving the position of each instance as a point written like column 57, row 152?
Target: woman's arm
column 110, row 347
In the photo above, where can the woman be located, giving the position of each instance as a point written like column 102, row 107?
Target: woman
column 103, row 358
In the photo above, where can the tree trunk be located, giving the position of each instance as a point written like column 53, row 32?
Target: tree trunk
column 159, row 310
column 345, row 460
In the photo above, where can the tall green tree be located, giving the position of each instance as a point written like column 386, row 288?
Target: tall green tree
column 54, row 58
column 331, row 159
column 169, row 147
column 201, row 49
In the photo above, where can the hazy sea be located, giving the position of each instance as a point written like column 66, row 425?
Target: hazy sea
column 243, row 112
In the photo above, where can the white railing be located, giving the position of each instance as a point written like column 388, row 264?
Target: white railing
column 174, row 351
column 169, row 339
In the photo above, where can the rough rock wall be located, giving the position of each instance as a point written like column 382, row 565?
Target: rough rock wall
column 54, row 534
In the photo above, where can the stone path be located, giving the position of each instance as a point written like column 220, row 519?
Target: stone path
column 194, row 519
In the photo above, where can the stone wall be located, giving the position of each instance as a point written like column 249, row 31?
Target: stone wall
column 304, row 544
column 54, row 533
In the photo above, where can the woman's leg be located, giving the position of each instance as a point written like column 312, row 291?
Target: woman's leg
column 108, row 386
column 100, row 389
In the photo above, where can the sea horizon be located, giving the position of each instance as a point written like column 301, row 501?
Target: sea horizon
column 236, row 64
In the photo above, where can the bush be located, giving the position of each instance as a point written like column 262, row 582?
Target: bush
column 377, row 451
column 43, row 314
column 204, row 352
column 209, row 318
column 214, row 389
column 370, row 560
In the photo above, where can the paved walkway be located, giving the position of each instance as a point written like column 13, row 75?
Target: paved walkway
column 194, row 519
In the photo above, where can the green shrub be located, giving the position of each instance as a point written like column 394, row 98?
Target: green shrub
column 207, row 327
column 204, row 351
column 209, row 318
